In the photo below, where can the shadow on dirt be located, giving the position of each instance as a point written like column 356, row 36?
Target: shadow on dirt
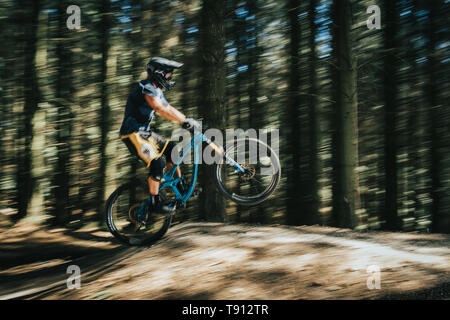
column 201, row 261
column 438, row 292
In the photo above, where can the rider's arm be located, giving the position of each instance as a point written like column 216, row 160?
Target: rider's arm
column 168, row 112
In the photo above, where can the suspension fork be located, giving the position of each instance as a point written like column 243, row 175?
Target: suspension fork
column 221, row 152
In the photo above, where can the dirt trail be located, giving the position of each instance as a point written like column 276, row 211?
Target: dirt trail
column 221, row 261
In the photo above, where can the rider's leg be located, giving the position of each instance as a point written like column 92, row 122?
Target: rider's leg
column 167, row 152
column 181, row 184
column 170, row 165
column 153, row 186
column 155, row 174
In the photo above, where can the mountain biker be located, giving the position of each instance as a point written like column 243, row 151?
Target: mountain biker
column 145, row 99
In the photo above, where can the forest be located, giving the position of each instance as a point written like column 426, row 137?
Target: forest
column 362, row 108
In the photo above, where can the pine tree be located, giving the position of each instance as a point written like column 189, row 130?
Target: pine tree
column 104, row 107
column 211, row 103
column 345, row 143
column 294, row 191
column 24, row 177
column 390, row 86
column 63, row 127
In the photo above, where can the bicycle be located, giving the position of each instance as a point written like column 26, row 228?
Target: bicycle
column 238, row 182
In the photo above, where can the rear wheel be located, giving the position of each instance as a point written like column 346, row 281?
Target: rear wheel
column 121, row 211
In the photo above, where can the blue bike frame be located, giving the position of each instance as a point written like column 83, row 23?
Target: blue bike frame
column 170, row 182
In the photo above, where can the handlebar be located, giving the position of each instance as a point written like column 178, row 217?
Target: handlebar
column 187, row 125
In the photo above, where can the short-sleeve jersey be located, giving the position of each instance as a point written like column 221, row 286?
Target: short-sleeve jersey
column 138, row 114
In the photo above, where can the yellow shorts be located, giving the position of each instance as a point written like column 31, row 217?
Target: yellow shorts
column 147, row 149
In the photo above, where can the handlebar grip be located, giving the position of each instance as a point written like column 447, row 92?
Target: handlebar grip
column 190, row 124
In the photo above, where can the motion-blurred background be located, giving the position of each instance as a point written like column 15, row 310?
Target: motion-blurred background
column 363, row 113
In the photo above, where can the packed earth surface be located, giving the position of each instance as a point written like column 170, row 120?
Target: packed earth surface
column 199, row 260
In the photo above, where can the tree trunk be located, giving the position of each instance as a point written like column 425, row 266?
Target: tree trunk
column 345, row 156
column 298, row 211
column 256, row 111
column 24, row 177
column 212, row 86
column 64, row 92
column 294, row 189
column 314, row 125
column 415, row 123
column 104, row 107
column 239, row 28
column 390, row 96
column 187, row 70
column 439, row 222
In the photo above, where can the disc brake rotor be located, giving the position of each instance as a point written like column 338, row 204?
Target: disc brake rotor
column 249, row 172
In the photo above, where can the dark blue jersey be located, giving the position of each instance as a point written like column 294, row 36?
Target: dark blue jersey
column 138, row 113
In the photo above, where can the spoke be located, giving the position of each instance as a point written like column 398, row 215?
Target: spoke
column 258, row 181
column 254, row 186
column 234, row 182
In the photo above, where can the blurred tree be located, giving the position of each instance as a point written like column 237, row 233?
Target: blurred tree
column 256, row 110
column 186, row 84
column 346, row 200
column 104, row 118
column 294, row 179
column 246, row 85
column 440, row 223
column 136, row 44
column 11, row 19
column 188, row 70
column 87, row 64
column 158, row 26
column 314, row 124
column 63, row 122
column 390, row 84
column 415, row 118
column 239, row 39
column 24, row 179
column 211, row 99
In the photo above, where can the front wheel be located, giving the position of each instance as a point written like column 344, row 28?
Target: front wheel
column 261, row 176
column 121, row 215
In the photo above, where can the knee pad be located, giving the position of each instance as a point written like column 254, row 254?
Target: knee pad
column 156, row 169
